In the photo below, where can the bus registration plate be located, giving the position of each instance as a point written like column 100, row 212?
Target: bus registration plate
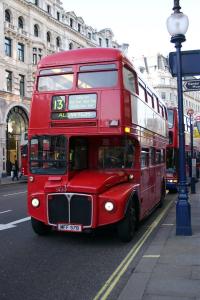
column 70, row 227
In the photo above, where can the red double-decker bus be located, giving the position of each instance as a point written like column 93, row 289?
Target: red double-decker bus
column 173, row 148
column 97, row 141
column 24, row 154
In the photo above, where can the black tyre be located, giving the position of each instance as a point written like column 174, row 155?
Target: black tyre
column 39, row 227
column 126, row 228
column 162, row 197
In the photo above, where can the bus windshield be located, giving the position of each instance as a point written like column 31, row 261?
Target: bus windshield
column 48, row 154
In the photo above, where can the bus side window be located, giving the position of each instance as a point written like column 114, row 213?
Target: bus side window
column 152, row 156
column 129, row 80
column 158, row 156
column 144, row 158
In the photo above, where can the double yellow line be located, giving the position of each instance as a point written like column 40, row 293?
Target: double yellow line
column 109, row 285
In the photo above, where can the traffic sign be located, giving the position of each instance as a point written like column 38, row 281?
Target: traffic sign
column 191, row 85
column 190, row 63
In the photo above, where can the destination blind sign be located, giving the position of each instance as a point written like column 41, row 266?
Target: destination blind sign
column 191, row 85
column 82, row 101
column 73, row 115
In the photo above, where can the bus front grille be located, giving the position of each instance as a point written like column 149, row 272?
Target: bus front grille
column 70, row 208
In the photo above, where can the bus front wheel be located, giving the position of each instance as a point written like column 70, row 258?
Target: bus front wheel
column 39, row 227
column 126, row 228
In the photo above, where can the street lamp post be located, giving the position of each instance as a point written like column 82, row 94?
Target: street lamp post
column 190, row 113
column 177, row 25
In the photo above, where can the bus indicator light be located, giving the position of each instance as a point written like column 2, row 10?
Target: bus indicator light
column 31, row 178
column 127, row 129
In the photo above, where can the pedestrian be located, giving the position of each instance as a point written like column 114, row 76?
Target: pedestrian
column 15, row 169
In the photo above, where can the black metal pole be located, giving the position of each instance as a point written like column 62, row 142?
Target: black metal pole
column 193, row 168
column 183, row 211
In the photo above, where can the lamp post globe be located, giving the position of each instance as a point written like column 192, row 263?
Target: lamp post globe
column 177, row 25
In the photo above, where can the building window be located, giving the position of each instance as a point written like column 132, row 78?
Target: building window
column 162, row 80
column 8, row 46
column 163, row 95
column 71, row 22
column 36, row 30
column 20, row 23
column 58, row 43
column 89, row 35
column 107, row 43
column 20, row 50
column 8, row 81
column 21, row 85
column 34, row 59
column 37, row 55
column 79, row 27
column 48, row 37
column 36, row 2
column 100, row 42
column 48, row 8
column 70, row 46
column 58, row 16
column 7, row 16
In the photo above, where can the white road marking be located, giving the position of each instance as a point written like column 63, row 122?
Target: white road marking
column 13, row 224
column 151, row 256
column 5, row 211
column 7, row 195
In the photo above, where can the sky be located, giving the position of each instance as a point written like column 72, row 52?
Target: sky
column 140, row 23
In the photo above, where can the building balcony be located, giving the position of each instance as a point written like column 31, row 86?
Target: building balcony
column 9, row 27
column 21, row 31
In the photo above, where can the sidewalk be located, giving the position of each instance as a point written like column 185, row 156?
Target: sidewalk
column 170, row 267
column 8, row 180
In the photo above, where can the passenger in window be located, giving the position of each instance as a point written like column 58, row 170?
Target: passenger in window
column 114, row 161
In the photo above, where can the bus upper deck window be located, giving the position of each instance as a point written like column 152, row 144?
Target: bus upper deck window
column 55, row 79
column 97, row 76
column 97, row 79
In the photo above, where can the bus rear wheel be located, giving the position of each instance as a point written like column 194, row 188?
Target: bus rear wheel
column 39, row 227
column 162, row 196
column 126, row 228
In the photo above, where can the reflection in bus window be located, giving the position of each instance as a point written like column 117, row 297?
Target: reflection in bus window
column 55, row 82
column 97, row 79
column 170, row 118
column 48, row 154
column 116, row 157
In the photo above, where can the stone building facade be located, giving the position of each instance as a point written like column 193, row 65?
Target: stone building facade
column 30, row 30
column 155, row 70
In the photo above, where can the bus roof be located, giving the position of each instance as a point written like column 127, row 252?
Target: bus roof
column 85, row 55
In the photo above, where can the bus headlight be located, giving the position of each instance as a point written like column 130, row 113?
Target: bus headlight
column 35, row 202
column 109, row 206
